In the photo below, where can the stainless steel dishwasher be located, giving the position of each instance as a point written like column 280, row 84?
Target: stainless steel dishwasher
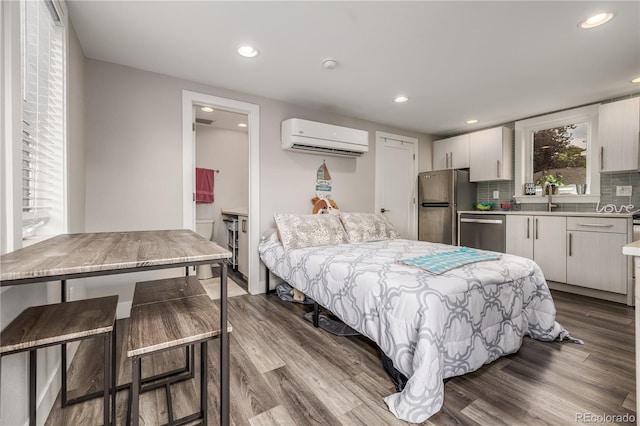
column 483, row 231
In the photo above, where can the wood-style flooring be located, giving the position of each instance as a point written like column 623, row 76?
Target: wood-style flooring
column 286, row 372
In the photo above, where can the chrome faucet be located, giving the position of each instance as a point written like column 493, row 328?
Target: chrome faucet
column 550, row 204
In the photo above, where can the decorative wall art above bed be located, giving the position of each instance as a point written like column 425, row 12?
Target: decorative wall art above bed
column 322, row 202
column 432, row 326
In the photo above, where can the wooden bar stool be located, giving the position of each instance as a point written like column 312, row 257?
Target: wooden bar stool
column 47, row 325
column 163, row 290
column 193, row 318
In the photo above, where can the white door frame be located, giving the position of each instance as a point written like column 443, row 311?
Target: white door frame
column 380, row 137
column 190, row 98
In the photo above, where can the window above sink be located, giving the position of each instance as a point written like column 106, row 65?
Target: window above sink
column 558, row 148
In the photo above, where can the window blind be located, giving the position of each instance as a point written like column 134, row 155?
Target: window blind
column 43, row 109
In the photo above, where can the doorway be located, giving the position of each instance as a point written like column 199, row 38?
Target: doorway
column 189, row 101
column 396, row 181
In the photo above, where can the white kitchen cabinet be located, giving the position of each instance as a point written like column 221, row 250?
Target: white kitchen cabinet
column 490, row 154
column 594, row 257
column 243, row 242
column 451, row 153
column 541, row 238
column 519, row 236
column 618, row 133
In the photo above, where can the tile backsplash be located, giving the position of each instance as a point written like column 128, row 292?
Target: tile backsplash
column 608, row 184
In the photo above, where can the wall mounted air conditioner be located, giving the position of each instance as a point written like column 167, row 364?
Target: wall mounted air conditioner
column 320, row 138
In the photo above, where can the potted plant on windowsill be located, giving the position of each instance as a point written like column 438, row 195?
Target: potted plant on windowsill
column 551, row 182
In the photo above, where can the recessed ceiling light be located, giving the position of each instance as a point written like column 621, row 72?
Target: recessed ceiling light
column 248, row 51
column 636, row 80
column 474, row 121
column 596, row 20
column 400, row 99
column 206, row 109
column 242, row 125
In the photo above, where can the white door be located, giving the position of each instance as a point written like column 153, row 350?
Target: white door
column 396, row 182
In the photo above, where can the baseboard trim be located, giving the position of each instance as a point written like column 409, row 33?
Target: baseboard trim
column 598, row 294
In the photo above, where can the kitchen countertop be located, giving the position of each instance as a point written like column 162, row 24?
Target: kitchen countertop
column 238, row 211
column 554, row 213
column 632, row 249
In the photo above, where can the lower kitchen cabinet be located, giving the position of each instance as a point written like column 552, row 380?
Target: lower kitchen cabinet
column 519, row 236
column 594, row 256
column 581, row 254
column 541, row 238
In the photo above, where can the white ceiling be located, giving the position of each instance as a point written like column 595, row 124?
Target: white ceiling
column 493, row 61
column 223, row 119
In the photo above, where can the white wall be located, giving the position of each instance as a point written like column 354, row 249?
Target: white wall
column 425, row 154
column 133, row 156
column 228, row 152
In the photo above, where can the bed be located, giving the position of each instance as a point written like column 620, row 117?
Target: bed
column 432, row 326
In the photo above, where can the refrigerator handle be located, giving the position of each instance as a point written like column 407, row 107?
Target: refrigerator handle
column 455, row 234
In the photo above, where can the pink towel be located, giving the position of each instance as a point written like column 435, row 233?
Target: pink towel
column 204, row 185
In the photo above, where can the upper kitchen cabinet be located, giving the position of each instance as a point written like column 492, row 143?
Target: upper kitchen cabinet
column 490, row 154
column 451, row 153
column 618, row 131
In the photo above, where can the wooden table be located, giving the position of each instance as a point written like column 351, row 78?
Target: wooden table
column 71, row 256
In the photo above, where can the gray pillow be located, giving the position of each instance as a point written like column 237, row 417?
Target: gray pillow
column 309, row 230
column 363, row 227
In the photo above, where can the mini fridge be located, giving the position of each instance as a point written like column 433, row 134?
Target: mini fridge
column 440, row 195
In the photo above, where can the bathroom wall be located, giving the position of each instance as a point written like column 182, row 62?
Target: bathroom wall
column 228, row 152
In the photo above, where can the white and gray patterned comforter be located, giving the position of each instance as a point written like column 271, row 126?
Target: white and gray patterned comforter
column 431, row 326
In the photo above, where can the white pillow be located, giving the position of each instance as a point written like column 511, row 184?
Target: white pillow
column 309, row 230
column 363, row 227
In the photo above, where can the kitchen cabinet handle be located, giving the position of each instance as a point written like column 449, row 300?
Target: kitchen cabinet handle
column 498, row 168
column 536, row 230
column 570, row 241
column 528, row 223
column 448, row 161
column 451, row 159
column 596, row 225
column 244, row 225
column 601, row 157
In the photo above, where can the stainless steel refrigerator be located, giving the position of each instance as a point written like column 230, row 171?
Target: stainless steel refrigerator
column 440, row 195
